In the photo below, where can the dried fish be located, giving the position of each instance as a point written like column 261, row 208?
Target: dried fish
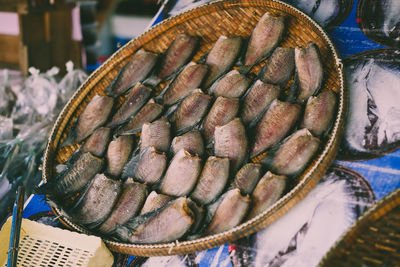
column 230, row 212
column 162, row 225
column 189, row 79
column 319, row 112
column 231, row 142
column 136, row 98
column 274, row 125
column 258, row 98
column 97, row 202
column 212, row 180
column 128, row 205
column 151, row 166
column 199, row 213
column 265, row 37
column 147, row 113
column 94, row 115
column 191, row 111
column 157, row 134
column 247, row 177
column 233, row 84
column 223, row 111
column 136, row 70
column 221, row 57
column 155, row 201
column 268, row 190
column 97, row 142
column 118, row 154
column 181, row 175
column 280, row 66
column 309, row 70
column 191, row 141
column 294, row 154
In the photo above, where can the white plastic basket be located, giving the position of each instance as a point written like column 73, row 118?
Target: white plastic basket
column 41, row 246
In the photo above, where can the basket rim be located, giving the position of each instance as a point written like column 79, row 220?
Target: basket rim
column 325, row 157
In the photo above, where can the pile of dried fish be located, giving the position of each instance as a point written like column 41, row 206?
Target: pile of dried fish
column 217, row 146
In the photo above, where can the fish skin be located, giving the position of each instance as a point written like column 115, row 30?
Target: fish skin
column 97, row 142
column 182, row 174
column 233, row 84
column 268, row 190
column 163, row 225
column 151, row 166
column 231, row 142
column 98, row 201
column 221, row 57
column 128, row 205
column 294, row 154
column 265, row 37
column 280, row 66
column 155, row 201
column 191, row 111
column 274, row 125
column 222, row 111
column 189, row 79
column 136, row 98
column 148, row 113
column 157, row 134
column 76, row 176
column 177, row 54
column 118, row 152
column 191, row 141
column 93, row 116
column 309, row 70
column 199, row 213
column 247, row 178
column 259, row 96
column 212, row 180
column 319, row 112
column 230, row 212
column 136, row 70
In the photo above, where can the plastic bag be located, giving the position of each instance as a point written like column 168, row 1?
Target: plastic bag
column 71, row 81
column 7, row 97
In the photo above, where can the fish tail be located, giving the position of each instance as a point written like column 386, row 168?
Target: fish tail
column 152, row 81
column 244, row 69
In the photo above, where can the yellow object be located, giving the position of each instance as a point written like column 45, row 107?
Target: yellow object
column 43, row 245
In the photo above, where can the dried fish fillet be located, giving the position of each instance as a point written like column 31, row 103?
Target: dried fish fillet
column 157, row 134
column 151, row 166
column 118, row 154
column 97, row 142
column 247, row 177
column 155, row 201
column 233, row 84
column 191, row 141
column 280, row 66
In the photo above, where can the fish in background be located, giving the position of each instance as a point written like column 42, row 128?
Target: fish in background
column 391, row 18
column 322, row 11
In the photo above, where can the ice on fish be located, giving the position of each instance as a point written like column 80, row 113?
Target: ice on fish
column 391, row 18
column 322, row 11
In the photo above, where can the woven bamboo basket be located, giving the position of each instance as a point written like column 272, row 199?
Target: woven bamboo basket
column 230, row 18
column 373, row 240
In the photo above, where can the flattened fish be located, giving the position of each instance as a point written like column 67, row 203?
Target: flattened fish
column 181, row 175
column 191, row 111
column 157, row 134
column 268, row 190
column 136, row 98
column 147, row 113
column 128, row 205
column 94, row 115
column 319, row 112
column 221, row 57
column 274, row 125
column 280, row 66
column 97, row 202
column 309, row 70
column 212, row 181
column 191, row 141
column 233, row 84
column 118, row 154
column 230, row 212
column 223, row 111
column 155, row 201
column 294, row 154
column 258, row 98
column 189, row 79
column 163, row 225
column 247, row 177
column 151, row 166
column 264, row 38
column 136, row 70
column 231, row 142
column 97, row 142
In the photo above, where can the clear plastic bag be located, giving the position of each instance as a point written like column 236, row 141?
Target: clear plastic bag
column 70, row 83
